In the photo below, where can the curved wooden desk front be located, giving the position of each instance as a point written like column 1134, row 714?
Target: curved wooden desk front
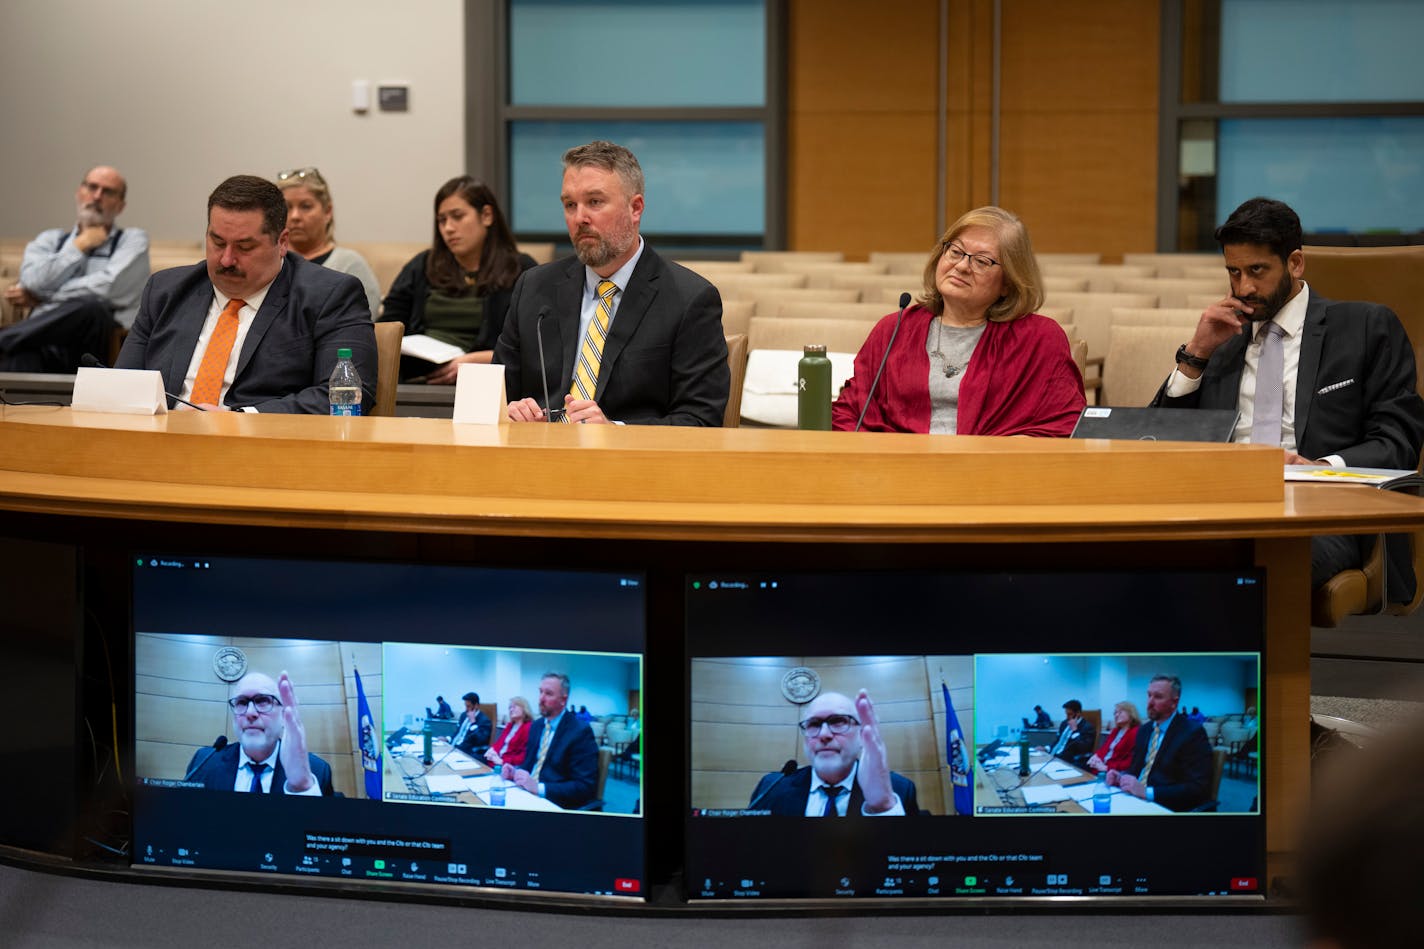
column 654, row 488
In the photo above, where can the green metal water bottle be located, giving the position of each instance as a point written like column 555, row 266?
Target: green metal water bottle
column 813, row 390
column 1023, row 758
column 427, row 757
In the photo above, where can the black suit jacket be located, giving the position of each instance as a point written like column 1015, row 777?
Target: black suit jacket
column 570, row 772
column 477, row 737
column 1080, row 743
column 665, row 360
column 308, row 314
column 1181, row 775
column 788, row 798
column 219, row 772
column 1354, row 397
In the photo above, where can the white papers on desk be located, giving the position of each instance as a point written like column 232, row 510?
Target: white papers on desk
column 481, row 784
column 1086, row 790
column 429, row 348
column 1045, row 794
column 1127, row 804
column 459, row 761
column 446, row 783
column 1061, row 771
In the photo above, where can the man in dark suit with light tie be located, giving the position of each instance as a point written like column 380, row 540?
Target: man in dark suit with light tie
column 270, row 755
column 1171, row 762
column 627, row 336
column 848, row 775
column 1342, row 374
column 257, row 328
column 561, row 764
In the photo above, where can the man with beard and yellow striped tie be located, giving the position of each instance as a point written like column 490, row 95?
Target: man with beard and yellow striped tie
column 561, row 764
column 619, row 334
column 1171, row 764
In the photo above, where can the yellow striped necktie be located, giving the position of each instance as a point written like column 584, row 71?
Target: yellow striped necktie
column 1152, row 747
column 591, row 352
column 544, row 740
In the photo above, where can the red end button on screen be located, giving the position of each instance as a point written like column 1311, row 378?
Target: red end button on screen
column 1240, row 884
column 624, row 885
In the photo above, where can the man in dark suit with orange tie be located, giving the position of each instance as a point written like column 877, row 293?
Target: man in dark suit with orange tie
column 256, row 328
column 561, row 764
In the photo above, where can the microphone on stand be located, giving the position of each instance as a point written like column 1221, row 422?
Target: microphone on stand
column 90, row 361
column 543, row 369
column 787, row 770
column 904, row 303
column 206, row 753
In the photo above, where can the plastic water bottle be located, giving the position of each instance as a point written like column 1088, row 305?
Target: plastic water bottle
column 345, row 385
column 813, row 390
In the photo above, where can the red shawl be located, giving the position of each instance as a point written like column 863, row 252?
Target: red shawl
column 1021, row 380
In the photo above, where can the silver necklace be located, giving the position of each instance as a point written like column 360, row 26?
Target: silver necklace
column 950, row 370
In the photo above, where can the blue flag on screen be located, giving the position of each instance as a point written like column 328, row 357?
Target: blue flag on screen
column 955, row 755
column 370, row 754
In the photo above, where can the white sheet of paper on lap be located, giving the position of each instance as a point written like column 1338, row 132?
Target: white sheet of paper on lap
column 429, row 348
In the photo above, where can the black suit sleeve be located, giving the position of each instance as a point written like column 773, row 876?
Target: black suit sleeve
column 576, row 779
column 700, row 377
column 1393, row 425
column 507, row 347
column 342, row 319
column 1186, row 776
column 132, row 355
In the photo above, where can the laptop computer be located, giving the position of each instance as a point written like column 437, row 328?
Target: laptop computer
column 1156, row 424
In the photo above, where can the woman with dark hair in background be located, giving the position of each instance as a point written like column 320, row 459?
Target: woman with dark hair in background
column 458, row 291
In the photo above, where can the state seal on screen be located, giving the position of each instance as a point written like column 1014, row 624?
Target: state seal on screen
column 800, row 685
column 230, row 663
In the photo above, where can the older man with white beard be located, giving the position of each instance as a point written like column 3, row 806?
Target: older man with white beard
column 78, row 282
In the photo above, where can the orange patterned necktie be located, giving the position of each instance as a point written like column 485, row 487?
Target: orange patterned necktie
column 207, row 386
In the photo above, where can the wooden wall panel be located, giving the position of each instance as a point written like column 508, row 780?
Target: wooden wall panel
column 1078, row 158
column 1078, row 130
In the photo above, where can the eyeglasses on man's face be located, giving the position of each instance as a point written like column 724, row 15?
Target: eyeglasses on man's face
column 979, row 263
column 262, row 701
column 836, row 724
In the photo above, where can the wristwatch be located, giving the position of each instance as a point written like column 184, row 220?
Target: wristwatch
column 1196, row 362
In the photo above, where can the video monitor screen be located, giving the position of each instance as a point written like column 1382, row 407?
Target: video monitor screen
column 399, row 723
column 974, row 735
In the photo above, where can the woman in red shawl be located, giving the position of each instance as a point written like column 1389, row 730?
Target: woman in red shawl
column 970, row 356
column 1116, row 749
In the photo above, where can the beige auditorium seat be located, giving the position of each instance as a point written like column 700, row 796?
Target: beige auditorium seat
column 1062, row 315
column 797, row 310
column 838, row 336
column 709, row 268
column 1092, row 312
column 1139, row 360
column 542, row 252
column 1052, row 258
column 744, row 285
column 1065, row 284
column 765, row 260
column 737, row 351
column 388, row 353
column 1172, row 292
column 1200, row 301
column 818, row 276
column 871, row 285
column 387, row 258
column 768, row 298
column 1172, row 264
column 735, row 315
column 1100, row 278
column 1204, row 271
column 1185, row 319
column 902, row 262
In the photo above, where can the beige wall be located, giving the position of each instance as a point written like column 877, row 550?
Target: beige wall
column 180, row 94
column 179, row 705
column 743, row 728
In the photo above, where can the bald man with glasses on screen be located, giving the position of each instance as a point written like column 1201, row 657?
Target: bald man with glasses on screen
column 848, row 775
column 270, row 754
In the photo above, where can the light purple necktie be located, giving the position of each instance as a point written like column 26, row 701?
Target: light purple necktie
column 1270, row 387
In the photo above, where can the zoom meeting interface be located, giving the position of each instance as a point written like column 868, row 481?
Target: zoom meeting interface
column 974, row 735
column 400, row 723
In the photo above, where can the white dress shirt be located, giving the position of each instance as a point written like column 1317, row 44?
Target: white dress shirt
column 245, row 316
